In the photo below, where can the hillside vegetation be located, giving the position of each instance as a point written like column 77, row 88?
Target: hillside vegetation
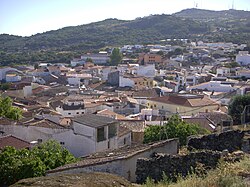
column 195, row 24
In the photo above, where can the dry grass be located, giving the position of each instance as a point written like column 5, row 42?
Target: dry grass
column 226, row 175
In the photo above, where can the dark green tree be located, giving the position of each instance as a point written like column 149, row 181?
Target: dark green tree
column 175, row 128
column 115, row 57
column 9, row 111
column 52, row 154
column 89, row 60
column 36, row 66
column 160, row 53
column 4, row 86
column 20, row 164
column 236, row 107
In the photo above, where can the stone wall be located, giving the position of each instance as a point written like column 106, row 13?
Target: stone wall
column 230, row 140
column 174, row 166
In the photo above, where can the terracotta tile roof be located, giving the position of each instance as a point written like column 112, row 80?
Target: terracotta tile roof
column 185, row 100
column 111, row 114
column 11, row 140
column 217, row 117
column 146, row 93
column 6, row 121
column 202, row 122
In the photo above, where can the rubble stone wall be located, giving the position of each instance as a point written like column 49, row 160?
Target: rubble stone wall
column 230, row 140
column 174, row 165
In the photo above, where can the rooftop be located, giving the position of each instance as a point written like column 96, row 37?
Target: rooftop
column 93, row 120
column 109, row 156
column 187, row 100
column 11, row 140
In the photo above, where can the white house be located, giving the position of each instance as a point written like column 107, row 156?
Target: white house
column 13, row 78
column 78, row 79
column 101, row 132
column 216, row 86
column 96, row 58
column 243, row 73
column 146, row 70
column 76, row 62
column 243, row 58
column 88, row 134
column 125, row 82
column 71, row 108
column 223, row 71
column 3, row 72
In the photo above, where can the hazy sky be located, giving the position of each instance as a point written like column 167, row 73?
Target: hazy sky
column 27, row 17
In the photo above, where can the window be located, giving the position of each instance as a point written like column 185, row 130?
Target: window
column 39, row 140
column 112, row 130
column 69, row 113
column 77, row 113
column 124, row 141
column 62, row 143
column 100, row 134
column 82, row 112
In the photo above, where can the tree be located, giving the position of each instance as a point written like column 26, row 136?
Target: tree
column 89, row 60
column 116, row 57
column 178, row 51
column 5, row 86
column 52, row 154
column 232, row 65
column 236, row 107
column 36, row 66
column 174, row 128
column 9, row 111
column 20, row 164
column 160, row 53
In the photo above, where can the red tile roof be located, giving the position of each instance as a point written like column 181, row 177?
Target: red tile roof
column 13, row 141
column 188, row 101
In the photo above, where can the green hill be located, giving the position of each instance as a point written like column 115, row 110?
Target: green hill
column 229, row 26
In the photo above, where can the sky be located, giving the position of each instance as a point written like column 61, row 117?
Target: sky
column 28, row 17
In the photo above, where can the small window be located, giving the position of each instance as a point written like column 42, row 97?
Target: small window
column 162, row 107
column 62, row 143
column 39, row 140
column 77, row 113
column 100, row 134
column 154, row 105
column 124, row 141
column 82, row 112
column 69, row 113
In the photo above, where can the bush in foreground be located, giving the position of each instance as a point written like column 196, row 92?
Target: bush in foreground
column 20, row 164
